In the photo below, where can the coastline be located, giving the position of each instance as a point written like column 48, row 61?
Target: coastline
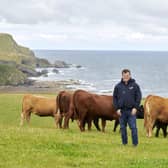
column 40, row 87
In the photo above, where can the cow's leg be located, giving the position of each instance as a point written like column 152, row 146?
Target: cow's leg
column 78, row 123
column 22, row 118
column 147, row 130
column 25, row 115
column 149, row 126
column 28, row 115
column 58, row 120
column 82, row 119
column 96, row 123
column 66, row 120
column 148, row 121
column 85, row 121
column 164, row 130
column 150, row 132
column 68, row 115
column 89, row 121
column 82, row 124
column 116, row 125
column 157, row 131
column 155, row 124
column 151, row 123
column 103, row 125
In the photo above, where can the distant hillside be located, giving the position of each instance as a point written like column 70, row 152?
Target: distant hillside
column 11, row 51
column 17, row 62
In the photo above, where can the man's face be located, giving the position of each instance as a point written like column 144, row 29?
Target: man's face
column 126, row 77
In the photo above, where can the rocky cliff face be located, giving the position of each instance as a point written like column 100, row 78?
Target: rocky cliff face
column 17, row 62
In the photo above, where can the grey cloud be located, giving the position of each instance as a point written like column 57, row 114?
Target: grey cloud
column 34, row 11
column 145, row 16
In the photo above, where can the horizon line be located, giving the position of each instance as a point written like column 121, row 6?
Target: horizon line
column 99, row 50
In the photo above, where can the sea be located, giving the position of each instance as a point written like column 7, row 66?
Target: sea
column 101, row 70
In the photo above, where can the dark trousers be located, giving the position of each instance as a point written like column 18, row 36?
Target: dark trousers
column 127, row 117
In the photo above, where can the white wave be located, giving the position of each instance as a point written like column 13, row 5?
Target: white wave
column 106, row 92
column 83, row 82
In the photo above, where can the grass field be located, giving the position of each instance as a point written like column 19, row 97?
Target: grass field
column 40, row 145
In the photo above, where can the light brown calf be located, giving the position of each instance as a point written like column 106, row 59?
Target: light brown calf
column 155, row 107
column 40, row 106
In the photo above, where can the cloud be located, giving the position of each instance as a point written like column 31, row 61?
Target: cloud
column 86, row 22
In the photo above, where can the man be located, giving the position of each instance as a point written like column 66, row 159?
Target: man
column 126, row 99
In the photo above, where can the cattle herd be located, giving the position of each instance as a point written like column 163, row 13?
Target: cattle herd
column 88, row 108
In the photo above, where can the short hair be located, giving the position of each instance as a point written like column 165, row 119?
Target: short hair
column 126, row 71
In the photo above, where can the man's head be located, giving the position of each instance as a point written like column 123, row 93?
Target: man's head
column 126, row 75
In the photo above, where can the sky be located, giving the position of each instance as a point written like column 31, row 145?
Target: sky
column 87, row 24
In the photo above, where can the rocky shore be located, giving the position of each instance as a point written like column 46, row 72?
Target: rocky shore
column 50, row 87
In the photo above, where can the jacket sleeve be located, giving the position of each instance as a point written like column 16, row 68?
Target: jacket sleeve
column 138, row 96
column 115, row 98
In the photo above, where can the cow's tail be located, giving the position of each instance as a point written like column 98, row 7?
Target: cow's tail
column 58, row 115
column 58, row 103
column 76, row 114
column 146, row 111
column 147, row 117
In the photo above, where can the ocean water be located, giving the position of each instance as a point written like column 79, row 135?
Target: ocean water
column 101, row 70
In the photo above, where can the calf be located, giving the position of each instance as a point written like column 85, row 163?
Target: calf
column 40, row 106
column 155, row 108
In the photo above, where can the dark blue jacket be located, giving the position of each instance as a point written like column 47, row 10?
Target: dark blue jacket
column 127, row 96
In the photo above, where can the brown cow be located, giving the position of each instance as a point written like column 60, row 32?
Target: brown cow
column 64, row 100
column 155, row 107
column 40, row 106
column 65, row 106
column 88, row 106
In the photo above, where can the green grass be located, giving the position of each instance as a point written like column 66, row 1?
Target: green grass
column 40, row 145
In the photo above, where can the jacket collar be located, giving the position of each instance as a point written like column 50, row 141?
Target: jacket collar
column 130, row 81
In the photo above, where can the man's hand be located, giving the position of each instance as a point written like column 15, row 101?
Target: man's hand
column 134, row 111
column 119, row 112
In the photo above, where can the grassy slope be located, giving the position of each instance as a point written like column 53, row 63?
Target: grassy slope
column 11, row 75
column 11, row 51
column 22, row 56
column 40, row 145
